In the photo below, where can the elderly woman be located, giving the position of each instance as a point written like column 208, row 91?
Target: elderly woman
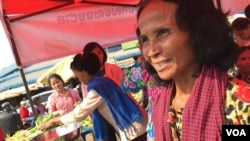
column 189, row 47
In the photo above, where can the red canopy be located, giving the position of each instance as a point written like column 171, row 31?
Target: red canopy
column 41, row 30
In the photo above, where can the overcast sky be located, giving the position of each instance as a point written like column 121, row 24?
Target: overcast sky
column 6, row 57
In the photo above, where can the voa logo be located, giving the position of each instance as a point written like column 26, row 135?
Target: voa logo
column 236, row 132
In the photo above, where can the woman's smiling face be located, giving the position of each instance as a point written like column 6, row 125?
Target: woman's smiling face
column 164, row 45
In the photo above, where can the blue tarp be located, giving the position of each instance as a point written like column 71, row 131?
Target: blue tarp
column 8, row 70
column 11, row 78
column 127, row 55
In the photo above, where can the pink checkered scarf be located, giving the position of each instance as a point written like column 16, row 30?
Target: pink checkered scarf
column 203, row 115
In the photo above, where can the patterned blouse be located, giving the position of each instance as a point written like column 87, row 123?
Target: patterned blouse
column 237, row 107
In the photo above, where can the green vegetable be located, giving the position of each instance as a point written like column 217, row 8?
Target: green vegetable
column 87, row 123
column 27, row 135
column 43, row 119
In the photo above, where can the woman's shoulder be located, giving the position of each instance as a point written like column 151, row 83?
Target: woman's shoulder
column 52, row 96
column 72, row 90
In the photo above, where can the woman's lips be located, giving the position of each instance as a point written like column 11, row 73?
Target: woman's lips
column 160, row 66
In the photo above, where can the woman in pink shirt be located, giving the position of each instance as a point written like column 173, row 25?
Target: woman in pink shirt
column 63, row 99
column 111, row 71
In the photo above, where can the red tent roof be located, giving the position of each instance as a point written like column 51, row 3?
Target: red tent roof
column 41, row 30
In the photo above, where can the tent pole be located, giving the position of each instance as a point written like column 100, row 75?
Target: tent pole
column 28, row 92
column 18, row 62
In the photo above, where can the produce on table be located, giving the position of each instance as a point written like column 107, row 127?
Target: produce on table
column 28, row 134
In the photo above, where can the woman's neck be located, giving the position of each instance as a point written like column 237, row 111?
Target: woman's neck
column 183, row 89
column 102, row 68
column 62, row 91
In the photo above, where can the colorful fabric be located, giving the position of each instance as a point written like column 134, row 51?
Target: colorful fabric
column 124, row 115
column 203, row 115
column 133, row 80
column 237, row 102
column 137, row 79
column 57, row 101
column 237, row 107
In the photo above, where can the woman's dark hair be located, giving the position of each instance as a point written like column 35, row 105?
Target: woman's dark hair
column 88, row 48
column 247, row 11
column 240, row 23
column 57, row 76
column 81, row 62
column 209, row 30
column 73, row 82
column 241, row 49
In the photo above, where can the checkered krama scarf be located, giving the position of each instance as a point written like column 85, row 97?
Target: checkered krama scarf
column 203, row 114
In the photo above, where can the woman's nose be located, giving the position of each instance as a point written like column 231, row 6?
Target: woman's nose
column 154, row 48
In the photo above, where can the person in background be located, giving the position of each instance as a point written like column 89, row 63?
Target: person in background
column 247, row 11
column 106, row 101
column 63, row 100
column 39, row 107
column 74, row 83
column 241, row 30
column 6, row 106
column 243, row 64
column 111, row 71
column 186, row 51
column 26, row 115
column 2, row 135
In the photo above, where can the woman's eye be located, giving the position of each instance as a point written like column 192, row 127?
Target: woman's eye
column 163, row 32
column 242, row 59
column 143, row 39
